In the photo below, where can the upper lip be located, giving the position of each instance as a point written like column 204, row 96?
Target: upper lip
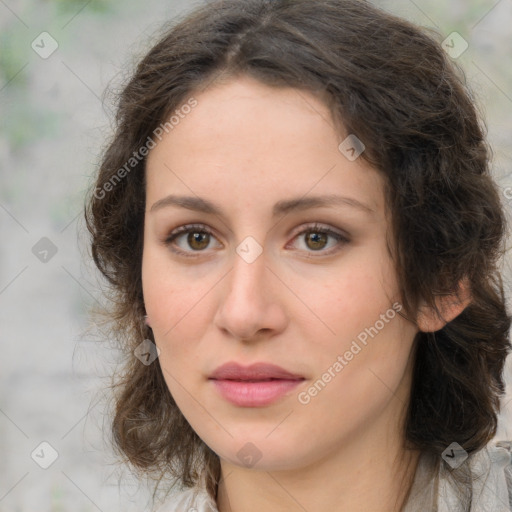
column 256, row 371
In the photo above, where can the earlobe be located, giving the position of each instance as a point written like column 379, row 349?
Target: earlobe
column 449, row 306
column 146, row 320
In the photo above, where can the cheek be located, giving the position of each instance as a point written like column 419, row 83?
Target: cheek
column 350, row 297
column 171, row 296
column 358, row 380
column 171, row 303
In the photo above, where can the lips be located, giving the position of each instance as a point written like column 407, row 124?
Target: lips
column 258, row 385
column 256, row 372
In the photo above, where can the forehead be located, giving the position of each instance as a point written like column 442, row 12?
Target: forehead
column 244, row 108
column 258, row 140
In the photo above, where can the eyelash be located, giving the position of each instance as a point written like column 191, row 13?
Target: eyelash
column 201, row 228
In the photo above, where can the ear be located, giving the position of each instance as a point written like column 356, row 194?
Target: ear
column 449, row 306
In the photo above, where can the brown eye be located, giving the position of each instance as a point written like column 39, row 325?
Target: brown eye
column 198, row 240
column 320, row 239
column 316, row 240
column 191, row 240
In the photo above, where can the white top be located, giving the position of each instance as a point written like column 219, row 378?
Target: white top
column 490, row 489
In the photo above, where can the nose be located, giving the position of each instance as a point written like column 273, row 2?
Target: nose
column 251, row 301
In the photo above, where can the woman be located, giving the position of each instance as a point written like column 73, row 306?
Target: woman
column 302, row 235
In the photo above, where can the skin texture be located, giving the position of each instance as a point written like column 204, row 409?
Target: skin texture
column 246, row 146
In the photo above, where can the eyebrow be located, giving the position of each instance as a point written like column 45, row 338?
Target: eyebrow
column 281, row 207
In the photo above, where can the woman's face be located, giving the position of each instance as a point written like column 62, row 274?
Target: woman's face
column 254, row 176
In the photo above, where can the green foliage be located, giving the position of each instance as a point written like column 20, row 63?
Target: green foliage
column 22, row 119
column 12, row 43
column 71, row 6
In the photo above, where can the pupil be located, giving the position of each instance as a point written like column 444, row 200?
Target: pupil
column 317, row 238
column 198, row 238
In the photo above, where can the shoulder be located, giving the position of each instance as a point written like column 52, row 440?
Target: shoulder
column 490, row 478
column 189, row 500
column 481, row 482
column 500, row 456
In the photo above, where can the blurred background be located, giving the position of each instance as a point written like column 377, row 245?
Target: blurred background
column 57, row 57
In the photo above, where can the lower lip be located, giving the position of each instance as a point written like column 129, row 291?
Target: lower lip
column 254, row 394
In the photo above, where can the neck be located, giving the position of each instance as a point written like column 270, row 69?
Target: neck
column 366, row 474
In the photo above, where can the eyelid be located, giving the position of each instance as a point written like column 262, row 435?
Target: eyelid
column 341, row 237
column 181, row 230
column 314, row 226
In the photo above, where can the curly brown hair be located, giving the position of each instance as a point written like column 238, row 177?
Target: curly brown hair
column 390, row 83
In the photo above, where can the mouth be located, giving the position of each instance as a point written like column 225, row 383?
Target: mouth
column 250, row 393
column 254, row 372
column 254, row 380
column 258, row 385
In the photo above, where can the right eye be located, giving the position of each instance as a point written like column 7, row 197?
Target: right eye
column 198, row 238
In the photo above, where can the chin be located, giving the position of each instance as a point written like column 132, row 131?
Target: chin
column 264, row 455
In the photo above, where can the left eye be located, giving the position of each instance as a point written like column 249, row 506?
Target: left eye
column 198, row 238
column 317, row 239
